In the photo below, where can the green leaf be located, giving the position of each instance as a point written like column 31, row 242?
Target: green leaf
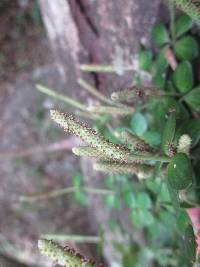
column 162, row 107
column 80, row 197
column 143, row 201
column 183, row 77
column 129, row 199
column 76, row 180
column 137, row 218
column 186, row 48
column 111, row 201
column 168, row 133
column 167, row 219
column 161, row 61
column 140, row 218
column 192, row 128
column 152, row 138
column 190, row 245
column 149, row 218
column 138, row 124
column 183, row 24
column 180, row 172
column 159, row 79
column 182, row 221
column 145, row 59
column 160, row 35
column 109, row 182
column 193, row 99
column 174, row 196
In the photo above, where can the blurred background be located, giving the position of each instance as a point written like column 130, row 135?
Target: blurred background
column 45, row 42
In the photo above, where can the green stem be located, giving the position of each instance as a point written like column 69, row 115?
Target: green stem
column 95, row 92
column 73, row 238
column 104, row 68
column 63, row 191
column 64, row 98
column 172, row 23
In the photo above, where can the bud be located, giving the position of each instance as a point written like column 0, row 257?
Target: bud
column 184, row 144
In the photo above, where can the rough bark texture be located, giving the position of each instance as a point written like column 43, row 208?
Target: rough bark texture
column 100, row 32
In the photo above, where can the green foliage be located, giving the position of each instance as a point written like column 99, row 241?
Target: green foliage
column 168, row 133
column 160, row 34
column 193, row 99
column 145, row 59
column 153, row 156
column 138, row 124
column 183, row 24
column 183, row 77
column 189, row 245
column 186, row 48
column 179, row 172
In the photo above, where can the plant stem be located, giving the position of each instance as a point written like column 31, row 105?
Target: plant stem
column 110, row 110
column 64, row 98
column 95, row 92
column 63, row 191
column 73, row 238
column 172, row 23
column 104, row 68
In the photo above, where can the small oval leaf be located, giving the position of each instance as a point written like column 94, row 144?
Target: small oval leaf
column 159, row 34
column 186, row 48
column 180, row 172
column 183, row 24
column 145, row 59
column 159, row 79
column 193, row 99
column 139, row 124
column 168, row 133
column 190, row 245
column 183, row 77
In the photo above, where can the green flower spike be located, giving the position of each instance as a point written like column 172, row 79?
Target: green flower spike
column 184, row 144
column 124, row 95
column 90, row 136
column 67, row 257
column 190, row 7
column 87, row 151
column 135, row 142
column 132, row 92
column 111, row 110
column 141, row 170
